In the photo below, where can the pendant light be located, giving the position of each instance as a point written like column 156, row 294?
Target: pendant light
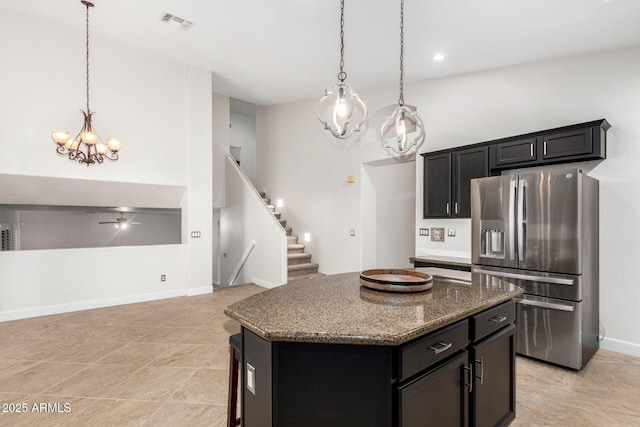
column 336, row 108
column 403, row 130
column 86, row 147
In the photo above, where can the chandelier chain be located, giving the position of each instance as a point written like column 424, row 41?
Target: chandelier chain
column 401, row 99
column 342, row 75
column 87, row 48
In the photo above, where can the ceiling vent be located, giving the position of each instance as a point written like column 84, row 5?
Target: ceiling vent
column 176, row 22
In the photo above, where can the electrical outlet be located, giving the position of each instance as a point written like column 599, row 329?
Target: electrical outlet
column 451, row 232
column 251, row 378
column 163, row 278
column 352, row 233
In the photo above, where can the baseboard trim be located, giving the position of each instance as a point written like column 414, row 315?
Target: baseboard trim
column 620, row 346
column 202, row 290
column 266, row 283
column 47, row 310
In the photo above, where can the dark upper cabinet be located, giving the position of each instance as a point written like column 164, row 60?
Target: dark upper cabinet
column 467, row 165
column 437, row 185
column 566, row 144
column 511, row 153
column 585, row 141
column 447, row 181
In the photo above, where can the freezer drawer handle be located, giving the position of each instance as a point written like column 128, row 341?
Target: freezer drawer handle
column 498, row 319
column 440, row 347
column 541, row 304
column 554, row 280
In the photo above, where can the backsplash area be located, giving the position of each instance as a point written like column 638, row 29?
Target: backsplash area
column 452, row 246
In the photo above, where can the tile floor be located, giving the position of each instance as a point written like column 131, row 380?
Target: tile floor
column 164, row 363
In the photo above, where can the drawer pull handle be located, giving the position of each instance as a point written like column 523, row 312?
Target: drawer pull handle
column 498, row 319
column 440, row 347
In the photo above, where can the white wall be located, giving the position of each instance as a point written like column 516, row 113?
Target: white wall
column 299, row 163
column 308, row 169
column 37, row 283
column 139, row 97
column 388, row 215
column 243, row 136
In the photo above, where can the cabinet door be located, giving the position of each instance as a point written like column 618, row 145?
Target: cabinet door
column 437, row 186
column 522, row 151
column 567, row 144
column 437, row 398
column 467, row 165
column 493, row 400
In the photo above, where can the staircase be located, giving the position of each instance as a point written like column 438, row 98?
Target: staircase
column 299, row 265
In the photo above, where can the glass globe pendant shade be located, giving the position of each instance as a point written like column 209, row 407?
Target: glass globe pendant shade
column 341, row 111
column 402, row 130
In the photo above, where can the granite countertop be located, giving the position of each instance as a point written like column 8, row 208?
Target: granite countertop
column 336, row 309
column 442, row 259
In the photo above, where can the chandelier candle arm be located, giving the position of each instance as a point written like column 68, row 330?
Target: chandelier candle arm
column 86, row 147
column 336, row 108
column 403, row 130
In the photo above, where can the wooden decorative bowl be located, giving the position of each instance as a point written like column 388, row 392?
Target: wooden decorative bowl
column 396, row 280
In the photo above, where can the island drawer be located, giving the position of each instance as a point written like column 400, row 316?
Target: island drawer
column 489, row 321
column 421, row 353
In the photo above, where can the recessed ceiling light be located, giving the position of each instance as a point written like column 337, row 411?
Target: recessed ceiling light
column 176, row 22
column 438, row 57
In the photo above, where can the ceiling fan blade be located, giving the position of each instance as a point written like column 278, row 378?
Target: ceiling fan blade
column 107, row 222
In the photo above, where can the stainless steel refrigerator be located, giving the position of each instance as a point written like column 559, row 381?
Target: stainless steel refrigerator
column 540, row 230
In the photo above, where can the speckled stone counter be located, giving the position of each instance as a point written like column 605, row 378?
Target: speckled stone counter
column 443, row 261
column 337, row 310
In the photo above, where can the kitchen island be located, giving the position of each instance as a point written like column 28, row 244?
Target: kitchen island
column 327, row 351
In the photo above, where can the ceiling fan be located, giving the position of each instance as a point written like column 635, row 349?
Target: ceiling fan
column 121, row 222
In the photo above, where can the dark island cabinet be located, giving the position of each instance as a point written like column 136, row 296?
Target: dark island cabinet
column 447, row 181
column 439, row 396
column 474, row 387
column 460, row 375
column 493, row 395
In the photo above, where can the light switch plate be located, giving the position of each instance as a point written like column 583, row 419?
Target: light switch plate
column 424, row 232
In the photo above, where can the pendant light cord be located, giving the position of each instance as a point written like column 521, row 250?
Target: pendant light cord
column 342, row 75
column 401, row 99
column 87, row 45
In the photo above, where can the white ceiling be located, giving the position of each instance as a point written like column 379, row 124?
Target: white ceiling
column 275, row 51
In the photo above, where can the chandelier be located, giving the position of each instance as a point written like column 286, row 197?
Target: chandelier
column 341, row 101
column 403, row 129
column 86, row 147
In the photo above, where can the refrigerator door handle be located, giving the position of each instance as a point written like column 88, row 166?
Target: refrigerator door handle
column 542, row 304
column 554, row 280
column 520, row 219
column 512, row 218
